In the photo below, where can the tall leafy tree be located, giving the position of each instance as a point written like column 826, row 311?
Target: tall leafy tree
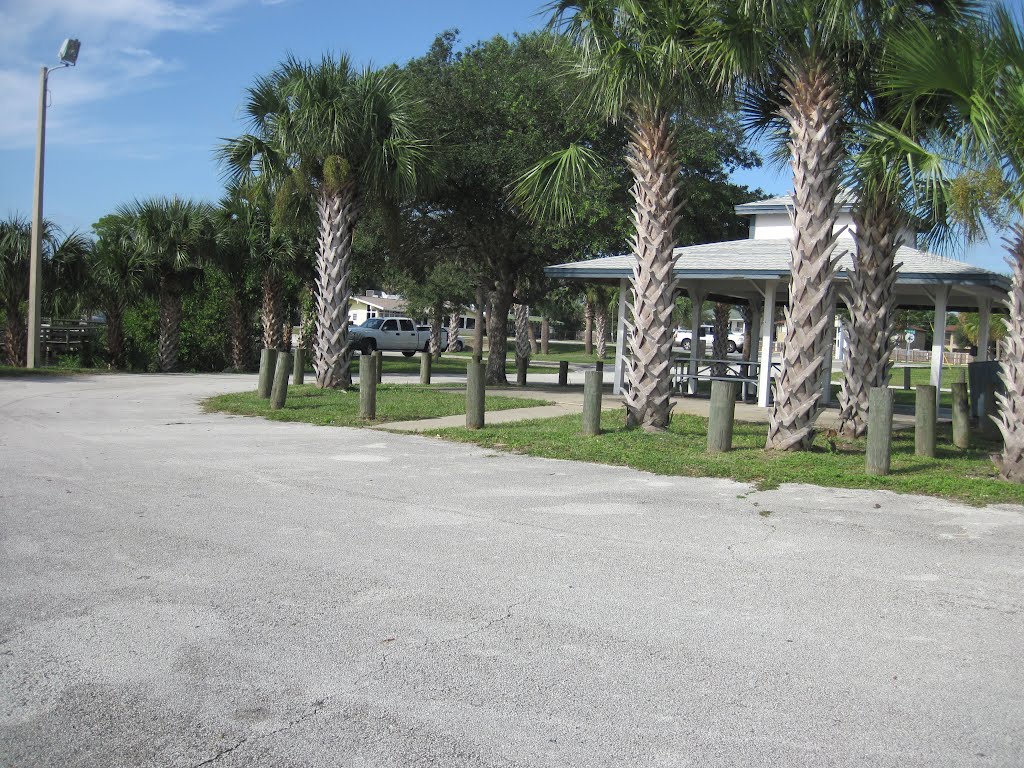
column 174, row 235
column 496, row 107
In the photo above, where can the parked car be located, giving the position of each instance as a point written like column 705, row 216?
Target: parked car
column 392, row 334
column 684, row 338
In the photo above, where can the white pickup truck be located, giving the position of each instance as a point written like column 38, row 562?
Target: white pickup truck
column 707, row 332
column 392, row 334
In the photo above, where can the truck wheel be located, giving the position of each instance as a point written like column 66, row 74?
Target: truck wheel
column 459, row 346
column 408, row 352
column 368, row 346
column 686, row 344
column 730, row 347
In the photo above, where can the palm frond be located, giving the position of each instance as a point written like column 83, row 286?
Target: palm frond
column 546, row 191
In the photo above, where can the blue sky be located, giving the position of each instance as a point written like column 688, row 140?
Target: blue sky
column 159, row 82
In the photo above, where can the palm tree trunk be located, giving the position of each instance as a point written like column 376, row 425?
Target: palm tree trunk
column 453, row 332
column 333, row 354
column 720, row 347
column 1011, row 405
column 478, row 332
column 652, row 159
column 307, row 320
column 170, row 326
column 601, row 329
column 532, row 336
column 115, row 336
column 588, row 329
column 813, row 112
column 522, row 316
column 871, row 300
column 271, row 311
column 545, row 335
column 497, row 332
column 15, row 338
column 239, row 342
column 435, row 330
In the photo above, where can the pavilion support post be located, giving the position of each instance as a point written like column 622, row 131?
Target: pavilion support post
column 938, row 341
column 697, row 300
column 984, row 328
column 764, row 377
column 826, row 366
column 620, row 338
column 750, row 388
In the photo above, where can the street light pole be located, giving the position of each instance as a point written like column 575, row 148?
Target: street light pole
column 68, row 58
column 35, row 275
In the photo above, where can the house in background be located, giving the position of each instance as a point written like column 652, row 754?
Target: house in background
column 375, row 304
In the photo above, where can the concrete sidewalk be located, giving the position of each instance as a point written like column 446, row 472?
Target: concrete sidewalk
column 180, row 588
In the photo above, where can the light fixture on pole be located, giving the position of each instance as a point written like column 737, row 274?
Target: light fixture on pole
column 68, row 58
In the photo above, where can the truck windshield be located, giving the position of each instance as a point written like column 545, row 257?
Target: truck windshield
column 372, row 322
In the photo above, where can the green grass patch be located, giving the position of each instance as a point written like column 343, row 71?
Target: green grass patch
column 330, row 407
column 966, row 476
column 919, row 374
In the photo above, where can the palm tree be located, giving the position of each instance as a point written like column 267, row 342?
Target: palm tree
column 354, row 137
column 15, row 249
column 174, row 236
column 637, row 59
column 887, row 178
column 276, row 199
column 233, row 256
column 977, row 75
column 117, row 276
column 790, row 57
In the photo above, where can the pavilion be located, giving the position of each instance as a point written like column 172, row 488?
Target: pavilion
column 756, row 271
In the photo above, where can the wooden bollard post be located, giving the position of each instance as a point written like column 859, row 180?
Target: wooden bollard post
column 280, row 391
column 563, row 373
column 721, row 416
column 475, row 396
column 298, row 366
column 961, row 375
column 924, row 423
column 879, row 453
column 592, row 403
column 906, row 378
column 378, row 365
column 426, row 359
column 522, row 363
column 961, row 416
column 368, row 387
column 268, row 364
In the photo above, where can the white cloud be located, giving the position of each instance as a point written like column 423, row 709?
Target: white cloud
column 118, row 38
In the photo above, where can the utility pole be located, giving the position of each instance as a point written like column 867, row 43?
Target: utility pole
column 68, row 57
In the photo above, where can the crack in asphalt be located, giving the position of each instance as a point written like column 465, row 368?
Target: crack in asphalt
column 317, row 707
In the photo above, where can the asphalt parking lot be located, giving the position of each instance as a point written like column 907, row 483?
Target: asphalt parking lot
column 187, row 589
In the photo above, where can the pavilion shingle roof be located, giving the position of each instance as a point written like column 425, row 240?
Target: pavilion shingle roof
column 770, row 258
